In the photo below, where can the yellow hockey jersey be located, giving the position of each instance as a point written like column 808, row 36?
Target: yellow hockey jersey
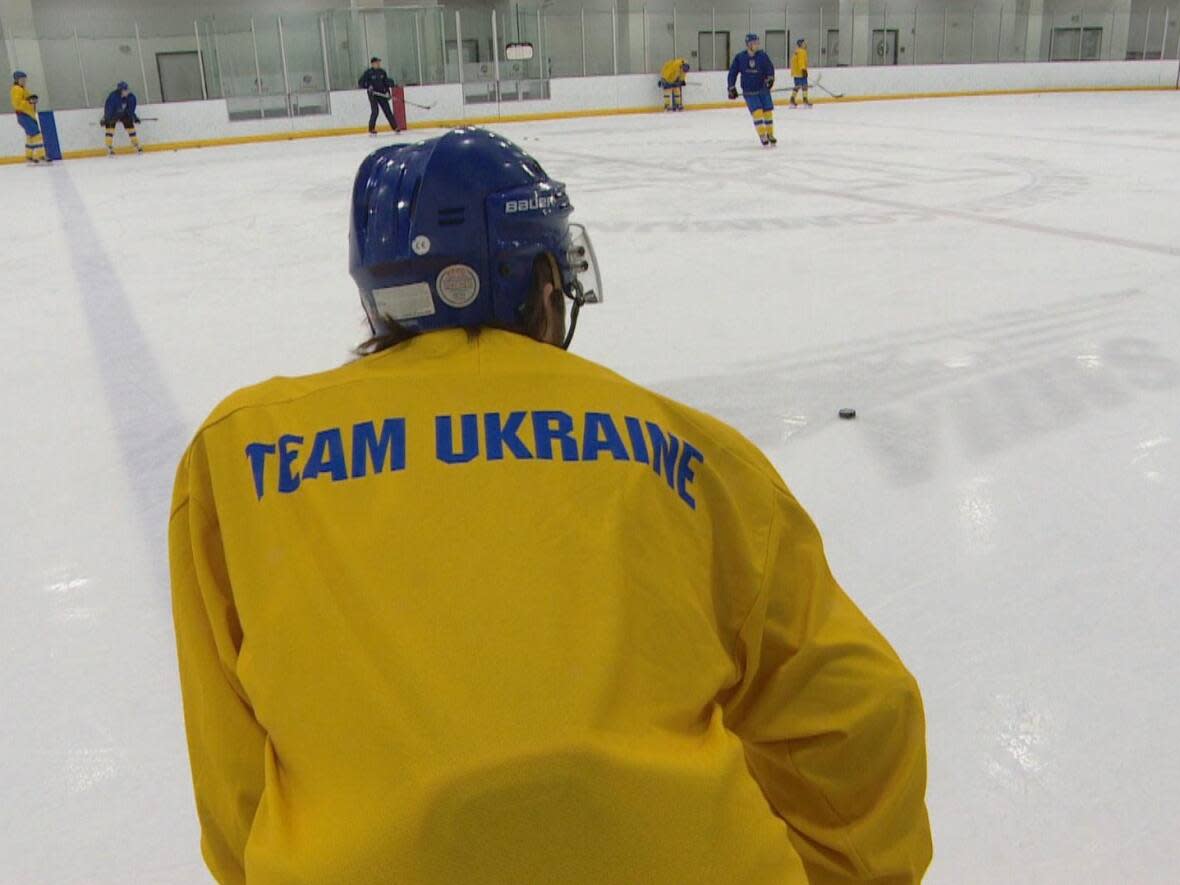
column 20, row 101
column 799, row 62
column 673, row 70
column 476, row 610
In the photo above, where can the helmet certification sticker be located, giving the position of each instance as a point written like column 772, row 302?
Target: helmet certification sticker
column 457, row 285
column 404, row 302
column 421, row 245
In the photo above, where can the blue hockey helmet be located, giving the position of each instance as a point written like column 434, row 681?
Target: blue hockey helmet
column 121, row 85
column 18, row 75
column 444, row 234
column 751, row 38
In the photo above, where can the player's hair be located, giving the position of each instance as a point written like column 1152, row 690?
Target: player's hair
column 532, row 316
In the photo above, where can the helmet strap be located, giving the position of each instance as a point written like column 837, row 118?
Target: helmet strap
column 578, row 298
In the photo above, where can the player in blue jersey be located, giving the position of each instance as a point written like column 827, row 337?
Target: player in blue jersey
column 120, row 108
column 757, row 74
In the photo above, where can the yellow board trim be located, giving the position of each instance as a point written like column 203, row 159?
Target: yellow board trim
column 567, row 115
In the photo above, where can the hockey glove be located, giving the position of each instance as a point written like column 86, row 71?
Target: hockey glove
column 33, row 99
column 137, row 120
column 770, row 84
column 805, row 73
column 732, row 93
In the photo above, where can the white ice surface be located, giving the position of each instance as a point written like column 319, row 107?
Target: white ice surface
column 991, row 282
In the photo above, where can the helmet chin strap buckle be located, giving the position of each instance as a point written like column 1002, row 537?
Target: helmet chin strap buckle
column 578, row 297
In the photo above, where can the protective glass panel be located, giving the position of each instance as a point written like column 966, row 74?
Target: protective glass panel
column 599, row 44
column 562, row 44
column 305, row 75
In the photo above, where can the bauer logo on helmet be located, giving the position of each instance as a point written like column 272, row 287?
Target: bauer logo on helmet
column 536, row 201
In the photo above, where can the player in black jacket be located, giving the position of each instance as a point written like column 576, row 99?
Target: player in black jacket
column 380, row 88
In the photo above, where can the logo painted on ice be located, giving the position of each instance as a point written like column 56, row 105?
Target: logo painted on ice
column 537, row 201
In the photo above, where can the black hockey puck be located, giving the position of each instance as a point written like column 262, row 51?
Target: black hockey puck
column 847, row 413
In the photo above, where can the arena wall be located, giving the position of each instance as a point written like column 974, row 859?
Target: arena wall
column 206, row 123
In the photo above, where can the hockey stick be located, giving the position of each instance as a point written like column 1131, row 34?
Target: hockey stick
column 425, row 107
column 141, row 120
column 818, row 85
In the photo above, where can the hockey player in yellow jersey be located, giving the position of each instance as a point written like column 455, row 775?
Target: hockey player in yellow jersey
column 799, row 73
column 471, row 609
column 672, row 82
column 24, row 105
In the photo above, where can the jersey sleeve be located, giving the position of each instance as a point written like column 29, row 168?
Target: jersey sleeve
column 831, row 720
column 21, row 103
column 733, row 70
column 226, row 743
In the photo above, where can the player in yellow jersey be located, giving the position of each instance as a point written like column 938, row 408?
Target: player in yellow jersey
column 24, row 104
column 471, row 609
column 799, row 72
column 672, row 82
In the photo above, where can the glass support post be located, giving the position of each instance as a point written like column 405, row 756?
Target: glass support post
column 459, row 44
column 1081, row 33
column 1000, row 34
column 614, row 39
column 81, row 70
column 1146, row 31
column 915, row 55
column 583, row 19
column 972, row 35
column 713, row 38
column 673, row 31
column 418, row 45
column 324, row 52
column 944, row 14
column 217, row 57
column 283, row 59
column 147, row 96
column 496, row 54
column 645, row 64
column 257, row 64
column 201, row 61
column 852, row 39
